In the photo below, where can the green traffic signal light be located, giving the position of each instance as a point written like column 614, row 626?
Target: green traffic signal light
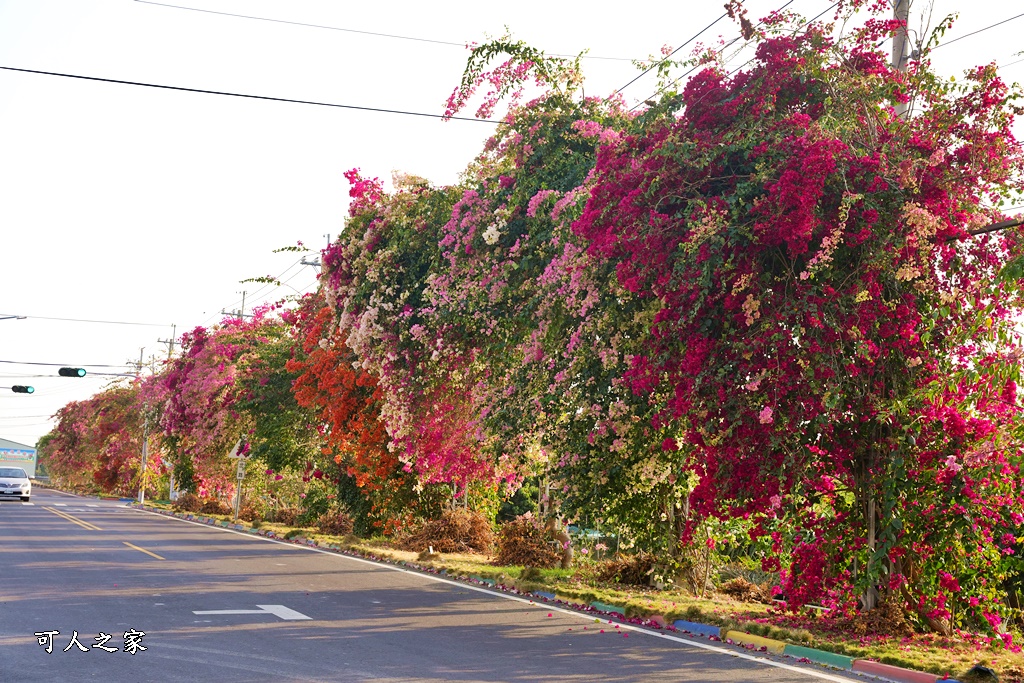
column 71, row 372
column 22, row 389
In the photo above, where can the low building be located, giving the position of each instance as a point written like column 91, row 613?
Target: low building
column 14, row 454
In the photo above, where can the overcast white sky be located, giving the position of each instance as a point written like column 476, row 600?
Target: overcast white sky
column 137, row 205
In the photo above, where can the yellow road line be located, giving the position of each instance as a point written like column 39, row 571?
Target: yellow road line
column 143, row 550
column 80, row 522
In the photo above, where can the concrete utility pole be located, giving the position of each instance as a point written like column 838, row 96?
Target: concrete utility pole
column 145, row 456
column 901, row 12
column 900, row 41
column 145, row 437
column 316, row 263
column 172, row 342
column 240, row 313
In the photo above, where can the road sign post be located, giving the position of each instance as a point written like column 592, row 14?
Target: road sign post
column 238, row 486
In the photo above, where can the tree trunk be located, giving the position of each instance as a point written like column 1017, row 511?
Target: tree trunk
column 870, row 597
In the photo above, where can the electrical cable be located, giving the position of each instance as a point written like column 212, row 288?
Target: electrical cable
column 731, row 73
column 67, row 365
column 276, row 279
column 726, row 46
column 256, row 293
column 246, row 96
column 102, row 322
column 267, row 296
column 819, row 16
column 665, row 58
column 348, row 30
column 974, row 33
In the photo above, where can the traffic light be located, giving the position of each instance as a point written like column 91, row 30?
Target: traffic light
column 22, row 389
column 71, row 372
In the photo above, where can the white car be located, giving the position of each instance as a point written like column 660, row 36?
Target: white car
column 14, row 482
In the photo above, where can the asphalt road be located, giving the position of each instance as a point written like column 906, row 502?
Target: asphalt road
column 215, row 605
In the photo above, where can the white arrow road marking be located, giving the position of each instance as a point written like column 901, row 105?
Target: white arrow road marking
column 277, row 610
column 284, row 612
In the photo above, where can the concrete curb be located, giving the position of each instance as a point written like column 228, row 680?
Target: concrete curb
column 896, row 673
column 698, row 628
column 887, row 671
column 608, row 608
column 769, row 644
column 819, row 656
column 661, row 621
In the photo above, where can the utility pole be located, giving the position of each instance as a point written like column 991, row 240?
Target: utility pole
column 145, row 455
column 241, row 314
column 317, row 262
column 145, row 437
column 170, row 342
column 138, row 365
column 901, row 12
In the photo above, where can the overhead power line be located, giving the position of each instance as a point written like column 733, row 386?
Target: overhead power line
column 102, row 322
column 665, row 58
column 260, row 290
column 974, row 33
column 346, row 30
column 272, row 286
column 245, row 96
column 731, row 42
column 61, row 365
column 811, row 21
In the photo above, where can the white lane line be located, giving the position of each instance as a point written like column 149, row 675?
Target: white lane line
column 91, row 505
column 28, row 503
column 551, row 608
column 61, row 505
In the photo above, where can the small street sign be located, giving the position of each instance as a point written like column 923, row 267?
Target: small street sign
column 236, row 451
column 241, row 469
